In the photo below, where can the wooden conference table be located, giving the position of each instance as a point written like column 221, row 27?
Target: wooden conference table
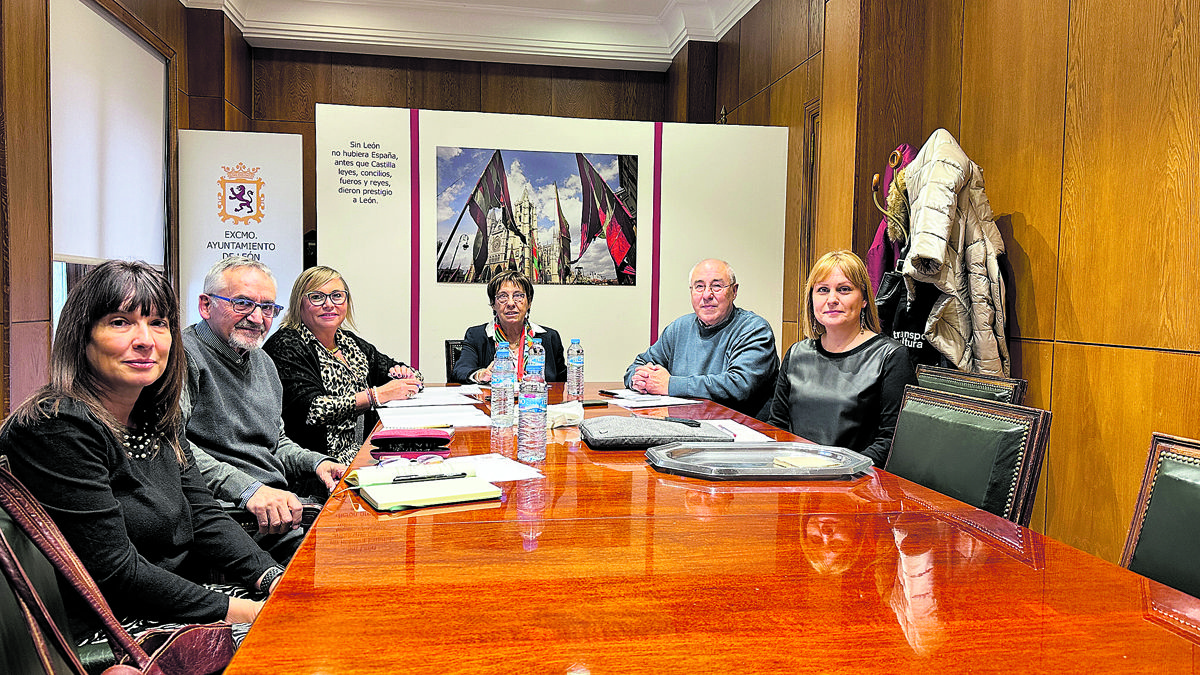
column 607, row 566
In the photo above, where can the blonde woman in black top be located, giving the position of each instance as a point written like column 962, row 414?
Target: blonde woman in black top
column 332, row 379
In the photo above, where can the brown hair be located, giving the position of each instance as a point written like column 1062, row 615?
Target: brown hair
column 854, row 269
column 114, row 286
column 506, row 276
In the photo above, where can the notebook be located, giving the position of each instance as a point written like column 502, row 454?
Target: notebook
column 428, row 493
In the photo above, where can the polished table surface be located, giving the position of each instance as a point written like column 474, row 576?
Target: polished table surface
column 607, row 566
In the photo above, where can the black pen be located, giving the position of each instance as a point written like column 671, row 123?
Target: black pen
column 417, row 479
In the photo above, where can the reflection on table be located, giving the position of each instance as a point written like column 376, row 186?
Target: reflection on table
column 606, row 565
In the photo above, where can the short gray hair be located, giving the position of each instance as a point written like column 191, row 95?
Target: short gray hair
column 728, row 268
column 215, row 279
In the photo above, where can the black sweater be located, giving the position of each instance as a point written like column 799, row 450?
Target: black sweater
column 133, row 522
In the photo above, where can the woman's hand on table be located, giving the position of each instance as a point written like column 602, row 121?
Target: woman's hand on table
column 397, row 390
column 483, row 375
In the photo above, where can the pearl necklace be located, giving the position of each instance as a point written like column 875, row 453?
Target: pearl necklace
column 140, row 445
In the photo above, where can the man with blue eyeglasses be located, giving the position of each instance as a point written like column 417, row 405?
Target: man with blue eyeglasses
column 233, row 404
column 721, row 352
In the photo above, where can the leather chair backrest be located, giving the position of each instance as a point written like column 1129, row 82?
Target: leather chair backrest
column 977, row 385
column 985, row 453
column 1164, row 537
column 453, row 350
column 17, row 651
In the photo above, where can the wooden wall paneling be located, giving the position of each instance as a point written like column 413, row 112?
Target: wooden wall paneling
column 205, row 52
column 889, row 109
column 702, row 82
column 642, row 96
column 677, row 81
column 438, row 84
column 26, row 72
column 1014, row 74
column 1034, row 361
column 787, row 108
column 1106, row 402
column 789, row 43
column 235, row 119
column 359, row 79
column 1129, row 175
column 237, row 70
column 839, row 127
column 595, row 94
column 516, row 89
column 729, row 49
column 29, row 359
column 756, row 110
column 288, row 84
column 308, row 130
column 941, row 60
column 754, row 57
column 206, row 112
column 789, row 335
column 816, row 26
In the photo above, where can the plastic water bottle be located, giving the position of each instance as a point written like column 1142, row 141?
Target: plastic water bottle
column 531, row 427
column 503, row 379
column 574, row 371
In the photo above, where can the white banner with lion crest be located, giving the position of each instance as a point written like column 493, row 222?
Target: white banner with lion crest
column 240, row 193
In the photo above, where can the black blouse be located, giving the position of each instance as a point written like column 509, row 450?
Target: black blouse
column 136, row 524
column 850, row 399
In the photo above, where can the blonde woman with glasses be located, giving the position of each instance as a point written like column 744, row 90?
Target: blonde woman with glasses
column 332, row 379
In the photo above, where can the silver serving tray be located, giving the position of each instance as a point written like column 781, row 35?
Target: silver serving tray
column 756, row 461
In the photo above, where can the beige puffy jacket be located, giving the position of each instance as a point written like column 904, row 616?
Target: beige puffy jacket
column 955, row 246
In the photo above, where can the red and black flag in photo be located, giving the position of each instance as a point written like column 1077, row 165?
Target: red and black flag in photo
column 564, row 241
column 491, row 192
column 605, row 215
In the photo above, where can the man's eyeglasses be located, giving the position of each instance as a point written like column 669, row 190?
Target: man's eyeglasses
column 516, row 297
column 317, row 298
column 245, row 306
column 716, row 287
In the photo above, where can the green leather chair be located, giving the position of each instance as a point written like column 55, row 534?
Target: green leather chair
column 977, row 385
column 985, row 453
column 1164, row 537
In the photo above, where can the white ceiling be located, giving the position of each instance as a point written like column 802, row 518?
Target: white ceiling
column 625, row 34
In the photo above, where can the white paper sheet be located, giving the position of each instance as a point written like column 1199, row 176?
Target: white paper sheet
column 432, row 396
column 644, row 401
column 741, row 432
column 433, row 416
column 494, row 467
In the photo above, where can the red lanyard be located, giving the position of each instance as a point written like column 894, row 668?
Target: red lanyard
column 526, row 343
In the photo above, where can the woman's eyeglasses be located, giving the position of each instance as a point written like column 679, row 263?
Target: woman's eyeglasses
column 246, row 306
column 317, row 298
column 503, row 298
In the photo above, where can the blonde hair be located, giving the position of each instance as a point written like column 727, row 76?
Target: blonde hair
column 310, row 280
column 854, row 269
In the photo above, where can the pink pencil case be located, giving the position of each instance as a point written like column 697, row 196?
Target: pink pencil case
column 411, row 443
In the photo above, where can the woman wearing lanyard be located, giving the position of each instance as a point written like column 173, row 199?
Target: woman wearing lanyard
column 510, row 295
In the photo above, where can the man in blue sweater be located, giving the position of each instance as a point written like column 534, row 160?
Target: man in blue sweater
column 722, row 352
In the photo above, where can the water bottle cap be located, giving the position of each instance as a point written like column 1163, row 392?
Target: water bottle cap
column 574, row 341
column 537, row 341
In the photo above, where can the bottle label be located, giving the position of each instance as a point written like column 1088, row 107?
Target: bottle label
column 533, row 402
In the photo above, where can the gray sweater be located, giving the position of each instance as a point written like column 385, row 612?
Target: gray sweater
column 733, row 363
column 233, row 405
